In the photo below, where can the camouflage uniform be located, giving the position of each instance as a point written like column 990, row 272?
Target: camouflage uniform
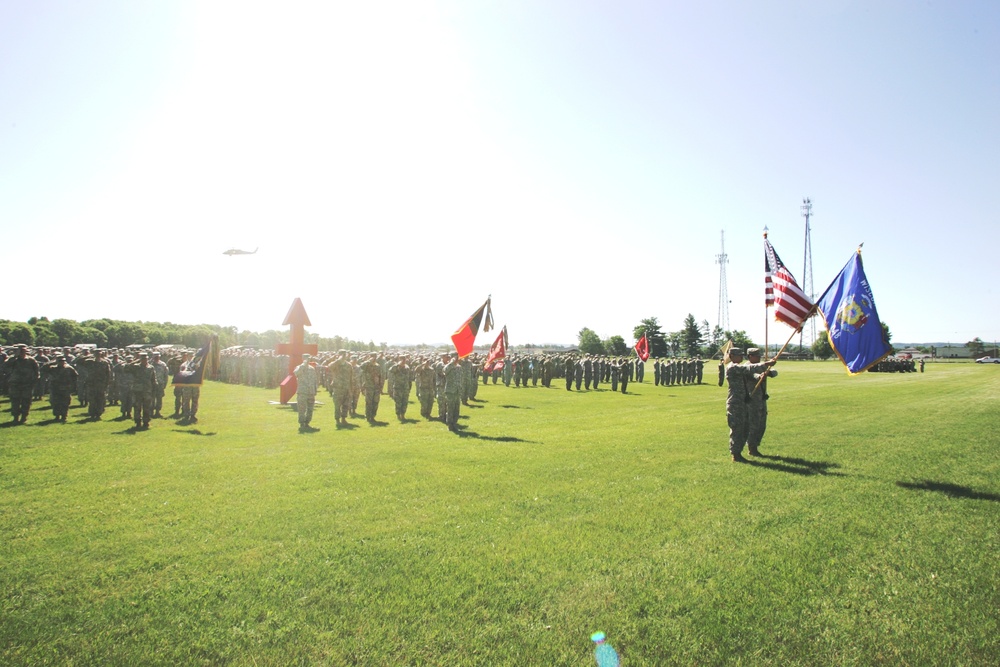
column 162, row 378
column 121, row 380
column 757, row 408
column 400, row 380
column 341, row 379
column 98, row 379
column 143, row 389
column 739, row 375
column 371, row 385
column 425, row 377
column 307, row 384
column 570, row 369
column 453, row 384
column 62, row 384
column 189, row 395
column 22, row 374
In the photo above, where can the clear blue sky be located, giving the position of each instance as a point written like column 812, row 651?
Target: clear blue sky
column 397, row 162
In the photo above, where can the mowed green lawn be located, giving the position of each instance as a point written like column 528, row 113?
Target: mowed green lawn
column 868, row 535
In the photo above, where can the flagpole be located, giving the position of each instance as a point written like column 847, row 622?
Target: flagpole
column 766, row 318
column 794, row 331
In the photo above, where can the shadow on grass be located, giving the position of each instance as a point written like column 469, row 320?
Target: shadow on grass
column 464, row 432
column 950, row 490
column 191, row 431
column 796, row 466
column 516, row 407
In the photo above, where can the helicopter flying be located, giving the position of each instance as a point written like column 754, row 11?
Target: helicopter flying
column 237, row 251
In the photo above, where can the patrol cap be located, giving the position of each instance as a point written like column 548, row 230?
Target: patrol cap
column 753, row 351
column 736, row 350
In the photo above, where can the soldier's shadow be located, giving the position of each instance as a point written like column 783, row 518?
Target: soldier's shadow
column 949, row 489
column 796, row 466
column 464, row 432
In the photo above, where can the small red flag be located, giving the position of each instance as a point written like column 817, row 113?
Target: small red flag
column 465, row 338
column 642, row 348
column 498, row 352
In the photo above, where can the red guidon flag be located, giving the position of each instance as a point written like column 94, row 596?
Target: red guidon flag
column 498, row 352
column 465, row 337
column 642, row 348
column 791, row 305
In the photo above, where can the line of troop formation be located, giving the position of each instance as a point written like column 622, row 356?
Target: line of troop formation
column 136, row 382
column 449, row 381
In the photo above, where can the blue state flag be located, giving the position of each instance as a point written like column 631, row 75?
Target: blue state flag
column 848, row 309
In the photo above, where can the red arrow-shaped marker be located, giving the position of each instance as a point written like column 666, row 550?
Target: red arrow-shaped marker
column 297, row 319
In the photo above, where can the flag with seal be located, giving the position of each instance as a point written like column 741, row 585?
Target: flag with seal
column 848, row 310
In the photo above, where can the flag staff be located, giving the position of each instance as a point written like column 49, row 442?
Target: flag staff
column 766, row 318
column 794, row 331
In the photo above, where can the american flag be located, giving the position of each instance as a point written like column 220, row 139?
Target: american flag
column 791, row 305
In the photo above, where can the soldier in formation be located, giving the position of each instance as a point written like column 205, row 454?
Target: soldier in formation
column 307, row 383
column 400, row 380
column 22, row 374
column 62, row 384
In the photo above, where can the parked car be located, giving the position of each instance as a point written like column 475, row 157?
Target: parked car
column 988, row 360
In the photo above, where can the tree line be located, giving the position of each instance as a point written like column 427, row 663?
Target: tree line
column 694, row 339
column 104, row 332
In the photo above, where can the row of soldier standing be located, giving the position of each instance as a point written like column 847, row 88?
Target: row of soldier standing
column 135, row 382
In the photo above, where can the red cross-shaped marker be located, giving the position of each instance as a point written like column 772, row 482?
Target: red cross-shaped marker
column 297, row 320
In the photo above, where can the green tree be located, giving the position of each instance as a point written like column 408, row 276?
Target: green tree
column 821, row 347
column 715, row 340
column 657, row 339
column 21, row 333
column 101, row 324
column 976, row 348
column 121, row 334
column 195, row 337
column 44, row 335
column 740, row 339
column 616, row 347
column 68, row 331
column 590, row 342
column 691, row 336
column 675, row 341
column 93, row 336
column 887, row 335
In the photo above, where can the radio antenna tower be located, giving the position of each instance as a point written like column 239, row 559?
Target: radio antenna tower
column 722, row 259
column 807, row 275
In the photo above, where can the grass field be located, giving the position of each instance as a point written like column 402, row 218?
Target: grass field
column 868, row 535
